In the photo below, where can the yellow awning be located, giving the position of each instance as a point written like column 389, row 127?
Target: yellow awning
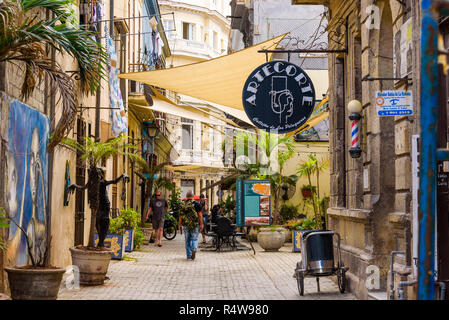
column 314, row 120
column 218, row 80
column 141, row 112
column 309, row 124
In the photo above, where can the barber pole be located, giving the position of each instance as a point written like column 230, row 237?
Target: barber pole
column 355, row 108
column 355, row 134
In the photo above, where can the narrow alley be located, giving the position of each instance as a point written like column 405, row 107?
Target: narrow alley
column 164, row 273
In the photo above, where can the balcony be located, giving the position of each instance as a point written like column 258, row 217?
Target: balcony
column 322, row 2
column 193, row 48
column 202, row 157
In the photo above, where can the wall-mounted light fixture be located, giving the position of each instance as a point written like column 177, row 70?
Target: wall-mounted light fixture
column 355, row 107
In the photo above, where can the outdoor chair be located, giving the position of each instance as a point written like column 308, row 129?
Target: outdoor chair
column 226, row 233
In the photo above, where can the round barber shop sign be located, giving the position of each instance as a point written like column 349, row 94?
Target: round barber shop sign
column 278, row 96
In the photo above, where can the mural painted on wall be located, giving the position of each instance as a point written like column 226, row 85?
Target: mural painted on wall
column 27, row 189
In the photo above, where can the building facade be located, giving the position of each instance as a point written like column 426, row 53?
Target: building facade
column 196, row 31
column 67, row 218
column 373, row 201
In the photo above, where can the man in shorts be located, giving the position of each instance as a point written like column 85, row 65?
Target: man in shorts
column 159, row 207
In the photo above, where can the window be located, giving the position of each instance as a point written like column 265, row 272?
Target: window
column 214, row 141
column 205, row 138
column 215, row 40
column 222, row 46
column 188, row 31
column 187, row 133
column 169, row 28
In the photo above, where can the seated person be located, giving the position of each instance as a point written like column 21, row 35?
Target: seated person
column 214, row 213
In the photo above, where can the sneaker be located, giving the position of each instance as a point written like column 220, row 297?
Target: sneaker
column 193, row 254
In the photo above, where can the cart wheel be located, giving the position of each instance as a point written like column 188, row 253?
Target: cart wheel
column 300, row 279
column 341, row 277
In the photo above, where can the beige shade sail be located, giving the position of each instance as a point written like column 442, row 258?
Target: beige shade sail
column 218, row 80
column 239, row 114
column 166, row 106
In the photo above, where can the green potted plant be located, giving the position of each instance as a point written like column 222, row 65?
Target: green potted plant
column 38, row 281
column 174, row 202
column 131, row 220
column 91, row 260
column 139, row 238
column 307, row 190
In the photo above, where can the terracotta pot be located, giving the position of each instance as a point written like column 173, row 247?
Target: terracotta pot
column 34, row 284
column 93, row 265
column 270, row 240
column 306, row 193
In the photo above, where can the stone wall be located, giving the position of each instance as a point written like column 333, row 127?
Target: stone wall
column 370, row 203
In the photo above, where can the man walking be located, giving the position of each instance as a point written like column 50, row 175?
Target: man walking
column 158, row 206
column 192, row 221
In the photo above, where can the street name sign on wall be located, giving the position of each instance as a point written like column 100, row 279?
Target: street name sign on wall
column 278, row 96
column 394, row 103
column 253, row 203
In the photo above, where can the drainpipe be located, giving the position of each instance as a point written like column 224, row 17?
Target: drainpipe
column 401, row 295
column 393, row 253
column 428, row 150
column 443, row 289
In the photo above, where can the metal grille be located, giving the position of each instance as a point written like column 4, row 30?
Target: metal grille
column 303, row 34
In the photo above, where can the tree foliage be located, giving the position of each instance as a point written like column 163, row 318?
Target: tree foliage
column 25, row 36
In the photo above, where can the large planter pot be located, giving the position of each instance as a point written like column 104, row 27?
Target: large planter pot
column 34, row 284
column 115, row 242
column 93, row 265
column 287, row 233
column 296, row 234
column 270, row 240
column 129, row 240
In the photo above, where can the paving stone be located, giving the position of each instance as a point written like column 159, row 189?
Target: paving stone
column 165, row 274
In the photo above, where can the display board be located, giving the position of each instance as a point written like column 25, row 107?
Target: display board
column 253, row 203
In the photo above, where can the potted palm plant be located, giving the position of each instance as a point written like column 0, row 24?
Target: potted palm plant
column 93, row 261
column 38, row 281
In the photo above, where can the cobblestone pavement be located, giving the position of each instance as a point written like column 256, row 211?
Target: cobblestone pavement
column 164, row 273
